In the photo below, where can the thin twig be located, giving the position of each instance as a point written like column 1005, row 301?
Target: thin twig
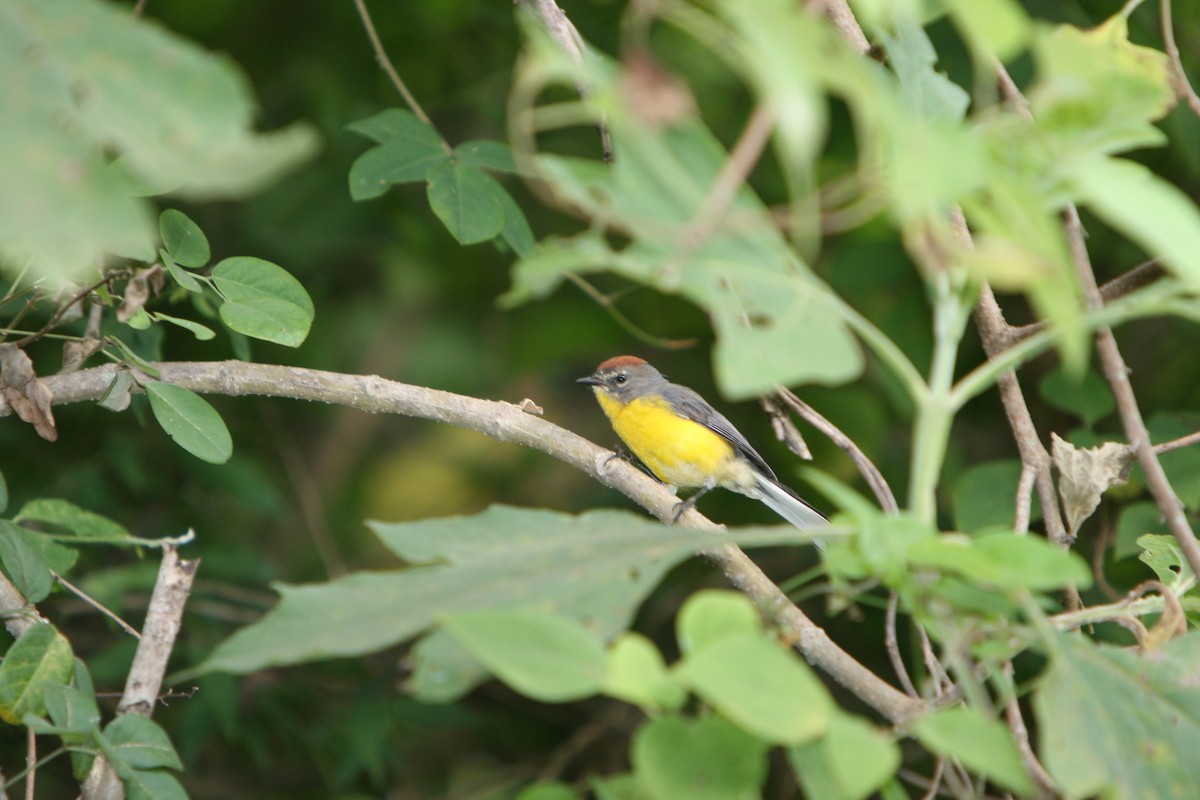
column 1016, row 723
column 563, row 33
column 737, row 167
column 64, row 307
column 30, row 763
column 1117, row 375
column 867, row 468
column 606, row 302
column 385, row 63
column 893, row 646
column 1183, row 441
column 1024, row 508
column 935, row 783
column 82, row 595
column 1179, row 77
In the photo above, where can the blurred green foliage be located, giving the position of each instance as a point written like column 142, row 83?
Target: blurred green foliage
column 397, row 295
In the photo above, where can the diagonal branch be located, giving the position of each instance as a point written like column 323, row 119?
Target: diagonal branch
column 507, row 422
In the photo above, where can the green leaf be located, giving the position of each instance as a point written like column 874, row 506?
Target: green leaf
column 40, row 658
column 852, row 760
column 183, row 239
column 980, row 742
column 1087, row 397
column 201, row 332
column 1144, row 207
column 1161, row 553
column 994, row 28
column 180, row 275
column 467, row 200
column 1096, row 92
column 152, row 784
column 137, row 742
column 704, row 759
column 516, row 231
column 739, row 269
column 927, row 92
column 408, row 148
column 618, row 787
column 486, row 154
column 263, row 300
column 190, row 421
column 71, row 518
column 78, row 92
column 759, row 685
column 1094, row 701
column 713, row 614
column 71, row 709
column 595, row 567
column 985, row 496
column 24, row 563
column 442, row 669
column 636, row 674
column 1183, row 464
column 548, row 791
column 1005, row 560
column 543, row 656
column 1136, row 520
column 3, row 494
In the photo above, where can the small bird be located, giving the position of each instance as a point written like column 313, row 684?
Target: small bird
column 685, row 442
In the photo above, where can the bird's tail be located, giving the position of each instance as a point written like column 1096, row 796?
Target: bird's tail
column 787, row 504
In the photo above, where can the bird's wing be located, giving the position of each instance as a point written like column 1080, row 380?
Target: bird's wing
column 691, row 405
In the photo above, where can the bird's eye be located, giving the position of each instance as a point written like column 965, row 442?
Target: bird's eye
column 621, row 378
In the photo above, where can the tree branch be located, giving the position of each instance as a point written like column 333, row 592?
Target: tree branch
column 163, row 618
column 507, row 422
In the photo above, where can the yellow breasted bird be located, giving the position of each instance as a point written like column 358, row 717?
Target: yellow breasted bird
column 685, row 442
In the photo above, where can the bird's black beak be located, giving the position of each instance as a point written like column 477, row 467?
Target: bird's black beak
column 590, row 380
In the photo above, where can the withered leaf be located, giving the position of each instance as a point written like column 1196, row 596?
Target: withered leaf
column 29, row 397
column 1086, row 473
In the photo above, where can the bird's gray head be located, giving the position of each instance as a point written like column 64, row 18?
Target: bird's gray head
column 624, row 378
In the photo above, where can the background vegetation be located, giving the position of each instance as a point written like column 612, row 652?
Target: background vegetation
column 861, row 197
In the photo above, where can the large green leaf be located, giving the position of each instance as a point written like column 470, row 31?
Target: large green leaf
column 543, row 656
column 594, row 568
column 1121, row 724
column 852, row 760
column 83, row 79
column 980, row 742
column 760, row 685
column 40, row 658
column 703, row 759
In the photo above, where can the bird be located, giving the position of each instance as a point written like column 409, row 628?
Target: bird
column 684, row 442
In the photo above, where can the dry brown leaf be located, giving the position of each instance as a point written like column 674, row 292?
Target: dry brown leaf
column 1086, row 473
column 137, row 293
column 29, row 397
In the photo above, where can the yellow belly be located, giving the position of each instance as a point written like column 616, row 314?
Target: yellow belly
column 679, row 451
